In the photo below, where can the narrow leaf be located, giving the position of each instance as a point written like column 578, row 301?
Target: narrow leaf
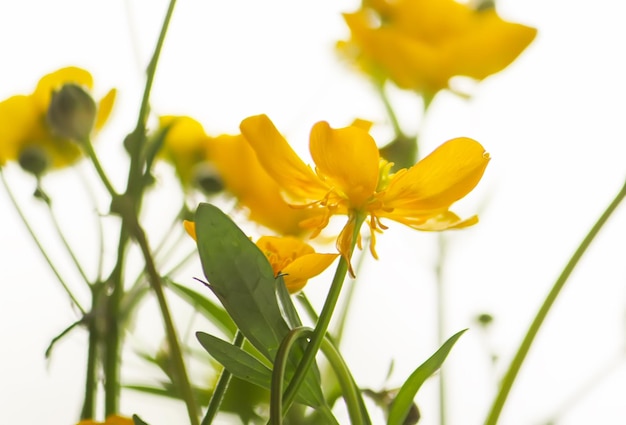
column 137, row 420
column 403, row 401
column 284, row 299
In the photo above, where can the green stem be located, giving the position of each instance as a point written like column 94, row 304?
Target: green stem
column 522, row 351
column 441, row 320
column 96, row 163
column 324, row 320
column 220, row 387
column 91, row 383
column 182, row 380
column 39, row 245
column 390, row 112
column 67, row 246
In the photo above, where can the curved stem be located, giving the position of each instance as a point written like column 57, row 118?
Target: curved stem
column 90, row 194
column 324, row 320
column 390, row 112
column 220, row 387
column 39, row 245
column 516, row 363
column 441, row 320
column 96, row 163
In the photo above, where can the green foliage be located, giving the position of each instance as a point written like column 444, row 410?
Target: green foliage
column 404, row 400
column 243, row 280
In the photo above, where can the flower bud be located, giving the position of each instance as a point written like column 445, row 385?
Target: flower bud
column 34, row 160
column 72, row 113
column 208, row 178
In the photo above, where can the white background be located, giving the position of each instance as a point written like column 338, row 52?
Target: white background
column 553, row 123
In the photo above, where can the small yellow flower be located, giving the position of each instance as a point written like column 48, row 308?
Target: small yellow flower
column 421, row 44
column 111, row 420
column 351, row 178
column 184, row 146
column 290, row 257
column 24, row 130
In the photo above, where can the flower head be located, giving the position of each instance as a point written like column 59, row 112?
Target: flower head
column 421, row 44
column 351, row 178
column 24, row 128
column 290, row 257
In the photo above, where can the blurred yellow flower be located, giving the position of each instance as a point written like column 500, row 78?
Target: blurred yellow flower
column 184, row 146
column 289, row 256
column 421, row 44
column 25, row 135
column 111, row 420
column 351, row 178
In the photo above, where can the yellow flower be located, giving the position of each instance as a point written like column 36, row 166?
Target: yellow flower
column 245, row 178
column 111, row 420
column 421, row 44
column 290, row 257
column 24, row 131
column 184, row 146
column 351, row 179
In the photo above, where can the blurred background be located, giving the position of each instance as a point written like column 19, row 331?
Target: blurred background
column 552, row 122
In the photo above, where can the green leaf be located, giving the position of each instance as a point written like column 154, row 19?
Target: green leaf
column 137, row 420
column 215, row 313
column 241, row 277
column 285, row 302
column 245, row 366
column 403, row 401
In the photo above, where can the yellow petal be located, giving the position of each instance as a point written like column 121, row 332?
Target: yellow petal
column 104, row 109
column 446, row 175
column 54, row 80
column 190, row 228
column 349, row 158
column 184, row 145
column 305, row 267
column 446, row 221
column 280, row 161
column 245, row 178
column 18, row 118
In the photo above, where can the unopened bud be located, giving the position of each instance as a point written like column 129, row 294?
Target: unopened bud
column 208, row 178
column 34, row 160
column 72, row 113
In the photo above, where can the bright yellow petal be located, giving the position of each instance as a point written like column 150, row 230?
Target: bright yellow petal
column 190, row 228
column 56, row 79
column 305, row 267
column 18, row 118
column 245, row 178
column 104, row 109
column 280, row 161
column 446, row 175
column 446, row 221
column 348, row 157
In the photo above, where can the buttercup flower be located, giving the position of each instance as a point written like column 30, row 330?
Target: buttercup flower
column 25, row 134
column 351, row 179
column 111, row 420
column 290, row 257
column 421, row 44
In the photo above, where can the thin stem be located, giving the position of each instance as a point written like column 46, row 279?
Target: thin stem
column 516, row 363
column 441, row 319
column 324, row 321
column 39, row 245
column 94, row 203
column 182, row 380
column 91, row 383
column 67, row 246
column 220, row 387
column 390, row 112
column 96, row 163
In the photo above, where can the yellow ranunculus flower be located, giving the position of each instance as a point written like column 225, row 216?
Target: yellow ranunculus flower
column 294, row 259
column 421, row 44
column 351, row 179
column 184, row 146
column 111, row 420
column 24, row 129
column 289, row 256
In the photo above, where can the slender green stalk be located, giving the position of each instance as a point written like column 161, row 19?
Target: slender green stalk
column 66, row 244
column 324, row 321
column 19, row 211
column 90, row 194
column 221, row 387
column 182, row 380
column 91, row 385
column 390, row 112
column 516, row 363
column 441, row 320
column 96, row 163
